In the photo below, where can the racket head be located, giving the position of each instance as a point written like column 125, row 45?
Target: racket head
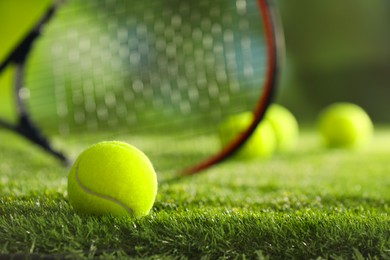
column 160, row 75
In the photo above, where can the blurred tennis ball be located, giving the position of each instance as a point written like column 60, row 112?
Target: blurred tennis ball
column 112, row 178
column 17, row 18
column 345, row 125
column 262, row 142
column 284, row 125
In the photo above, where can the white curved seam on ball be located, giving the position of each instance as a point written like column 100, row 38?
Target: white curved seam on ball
column 129, row 210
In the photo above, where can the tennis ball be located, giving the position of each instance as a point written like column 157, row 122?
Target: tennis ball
column 345, row 125
column 261, row 144
column 284, row 125
column 112, row 178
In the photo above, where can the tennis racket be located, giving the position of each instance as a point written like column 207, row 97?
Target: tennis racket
column 158, row 74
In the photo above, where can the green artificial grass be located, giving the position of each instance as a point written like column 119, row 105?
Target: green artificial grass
column 310, row 203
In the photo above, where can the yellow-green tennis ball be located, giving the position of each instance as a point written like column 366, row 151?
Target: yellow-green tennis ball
column 345, row 125
column 285, row 126
column 112, row 178
column 262, row 142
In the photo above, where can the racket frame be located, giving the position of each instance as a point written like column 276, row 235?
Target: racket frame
column 275, row 51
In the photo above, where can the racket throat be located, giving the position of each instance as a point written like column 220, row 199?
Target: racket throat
column 28, row 130
column 25, row 126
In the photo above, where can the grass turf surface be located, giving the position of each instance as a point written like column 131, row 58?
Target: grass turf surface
column 312, row 203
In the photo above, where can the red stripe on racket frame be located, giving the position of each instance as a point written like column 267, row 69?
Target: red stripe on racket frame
column 275, row 52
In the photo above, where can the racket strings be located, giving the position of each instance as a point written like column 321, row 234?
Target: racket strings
column 143, row 65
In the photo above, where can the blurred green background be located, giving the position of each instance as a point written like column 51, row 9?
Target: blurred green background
column 336, row 51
